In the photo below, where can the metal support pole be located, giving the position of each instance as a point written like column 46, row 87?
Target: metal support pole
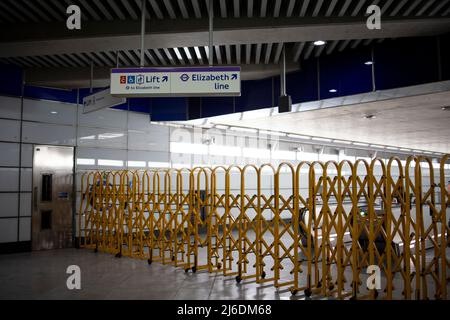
column 92, row 76
column 283, row 72
column 211, row 18
column 372, row 55
column 143, row 2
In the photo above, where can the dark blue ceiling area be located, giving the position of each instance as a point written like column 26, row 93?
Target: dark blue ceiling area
column 390, row 64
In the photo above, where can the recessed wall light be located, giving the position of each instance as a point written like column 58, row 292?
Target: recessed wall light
column 319, row 43
column 332, row 90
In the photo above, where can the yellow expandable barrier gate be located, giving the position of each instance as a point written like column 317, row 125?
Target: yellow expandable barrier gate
column 345, row 230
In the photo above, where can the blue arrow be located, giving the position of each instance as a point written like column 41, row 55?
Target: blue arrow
column 165, row 78
column 234, row 76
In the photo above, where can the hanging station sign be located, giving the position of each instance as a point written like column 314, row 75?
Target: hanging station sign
column 176, row 82
column 100, row 100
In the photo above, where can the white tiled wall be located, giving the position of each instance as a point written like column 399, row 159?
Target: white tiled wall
column 106, row 134
column 103, row 135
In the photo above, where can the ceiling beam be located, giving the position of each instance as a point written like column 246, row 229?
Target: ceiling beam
column 46, row 39
column 183, row 9
column 196, row 7
column 298, row 48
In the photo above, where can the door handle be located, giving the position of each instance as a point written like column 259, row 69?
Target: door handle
column 35, row 201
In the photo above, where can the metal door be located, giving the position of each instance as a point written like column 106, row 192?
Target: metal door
column 52, row 220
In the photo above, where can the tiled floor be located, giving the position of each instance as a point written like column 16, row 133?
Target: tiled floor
column 42, row 275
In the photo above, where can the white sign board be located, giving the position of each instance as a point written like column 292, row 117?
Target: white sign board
column 100, row 100
column 176, row 82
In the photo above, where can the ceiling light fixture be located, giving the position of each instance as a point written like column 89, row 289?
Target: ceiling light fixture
column 446, row 108
column 53, row 112
column 243, row 129
column 342, row 141
column 368, row 63
column 321, row 139
column 319, row 43
column 221, row 126
column 332, row 90
column 298, row 136
column 272, row 133
column 362, row 144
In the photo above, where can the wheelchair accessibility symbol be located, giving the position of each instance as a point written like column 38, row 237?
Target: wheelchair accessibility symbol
column 184, row 77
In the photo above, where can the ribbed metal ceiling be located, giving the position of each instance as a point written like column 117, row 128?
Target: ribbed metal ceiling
column 46, row 11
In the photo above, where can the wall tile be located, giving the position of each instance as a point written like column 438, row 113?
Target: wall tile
column 105, row 118
column 102, row 138
column 27, row 155
column 41, row 110
column 26, row 179
column 9, row 204
column 9, row 154
column 9, row 179
column 25, row 229
column 25, row 204
column 9, row 130
column 8, row 230
column 40, row 133
column 10, row 107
